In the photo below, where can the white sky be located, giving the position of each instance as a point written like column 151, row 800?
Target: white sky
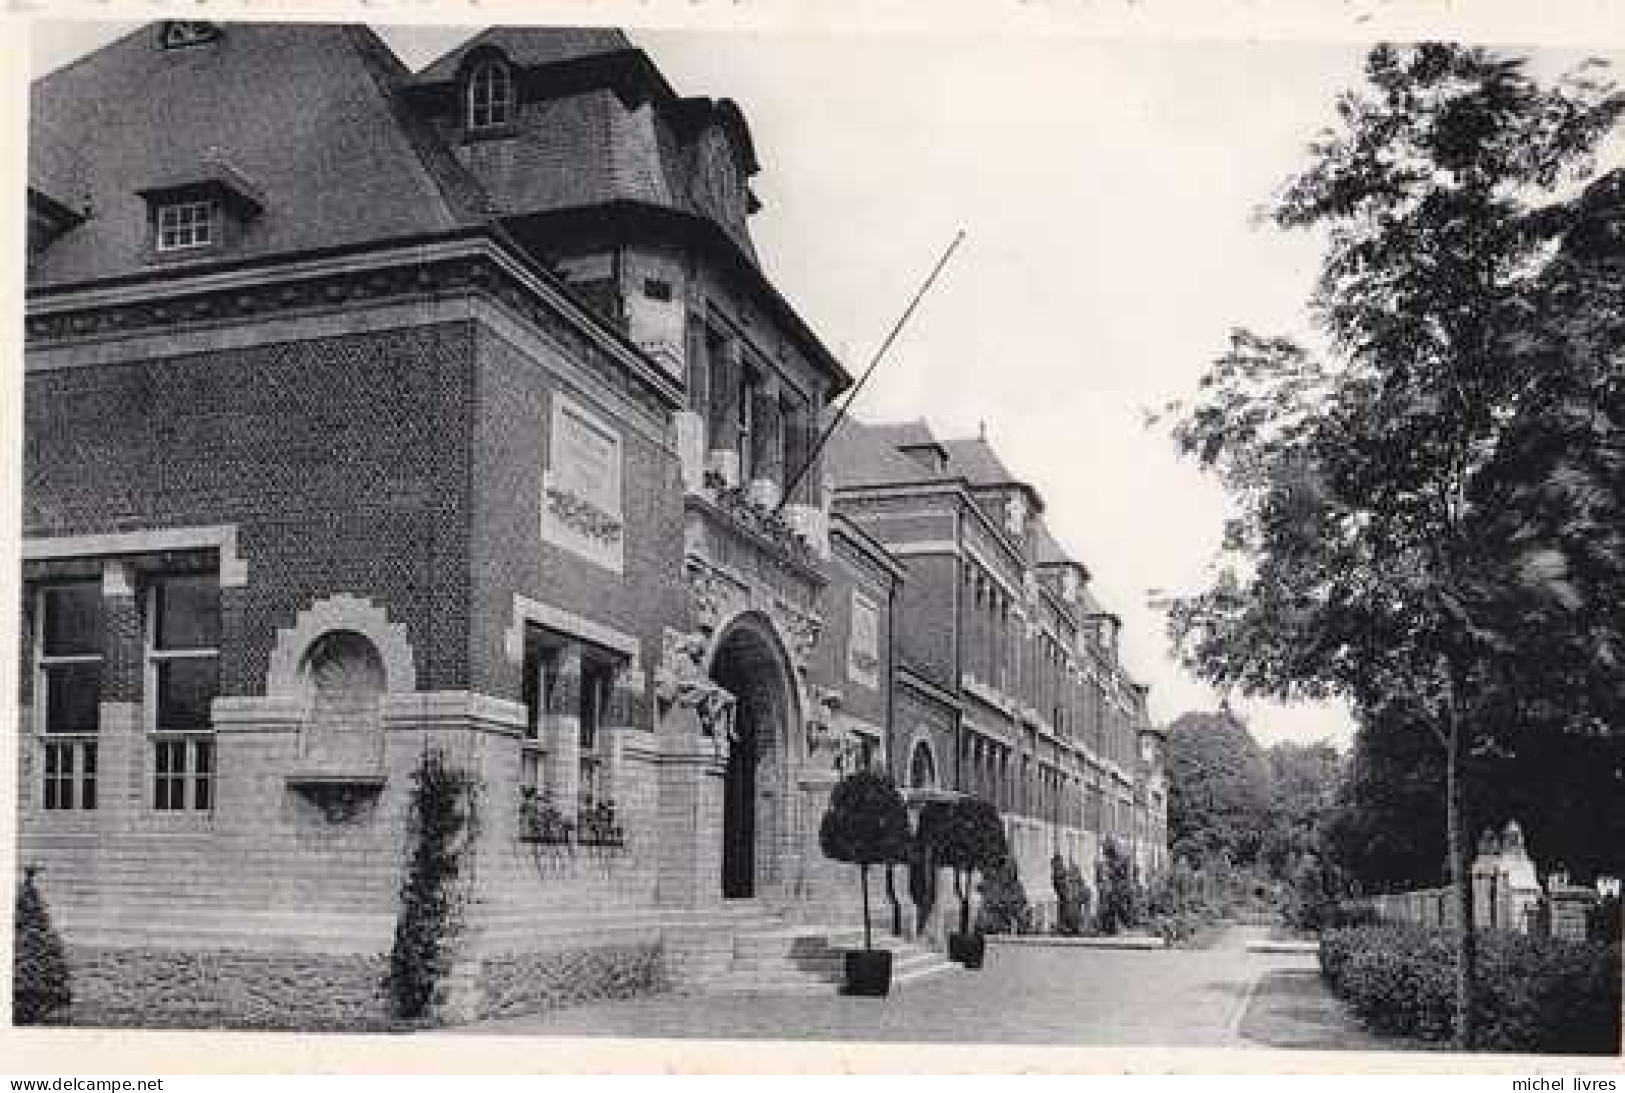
column 1107, row 189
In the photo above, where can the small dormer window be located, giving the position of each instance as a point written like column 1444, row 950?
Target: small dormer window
column 187, row 225
column 201, row 209
column 490, row 96
column 179, row 34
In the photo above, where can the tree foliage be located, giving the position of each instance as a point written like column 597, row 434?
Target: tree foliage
column 1428, row 512
column 866, row 824
column 968, row 837
column 444, row 826
column 1303, row 780
column 1218, row 788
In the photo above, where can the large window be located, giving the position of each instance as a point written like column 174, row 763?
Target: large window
column 490, row 96
column 183, row 677
column 541, row 673
column 597, row 677
column 68, row 686
column 70, row 656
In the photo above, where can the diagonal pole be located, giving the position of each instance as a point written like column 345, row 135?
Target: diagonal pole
column 897, row 328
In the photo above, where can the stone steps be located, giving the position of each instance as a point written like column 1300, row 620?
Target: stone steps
column 808, row 959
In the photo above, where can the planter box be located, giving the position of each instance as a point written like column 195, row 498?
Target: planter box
column 868, row 972
column 967, row 949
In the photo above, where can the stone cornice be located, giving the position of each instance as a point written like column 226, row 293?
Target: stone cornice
column 420, row 270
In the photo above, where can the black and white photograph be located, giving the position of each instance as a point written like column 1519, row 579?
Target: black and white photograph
column 699, row 531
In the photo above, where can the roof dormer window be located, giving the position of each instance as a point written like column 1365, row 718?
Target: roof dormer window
column 186, row 225
column 179, row 34
column 490, row 96
column 201, row 209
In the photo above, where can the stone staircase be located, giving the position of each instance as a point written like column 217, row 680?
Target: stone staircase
column 772, row 956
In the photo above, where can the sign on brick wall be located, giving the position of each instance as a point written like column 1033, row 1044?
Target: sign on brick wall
column 863, row 647
column 581, row 489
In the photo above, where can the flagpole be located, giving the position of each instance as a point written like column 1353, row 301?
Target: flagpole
column 897, row 328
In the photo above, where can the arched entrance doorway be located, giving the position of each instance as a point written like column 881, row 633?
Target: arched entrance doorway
column 750, row 664
column 922, row 865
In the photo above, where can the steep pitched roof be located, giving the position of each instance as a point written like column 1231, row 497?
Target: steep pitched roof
column 530, row 47
column 1046, row 550
column 306, row 114
column 973, row 459
column 860, row 455
column 601, row 126
column 905, row 434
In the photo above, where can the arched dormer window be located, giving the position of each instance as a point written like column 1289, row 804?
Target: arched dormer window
column 490, row 96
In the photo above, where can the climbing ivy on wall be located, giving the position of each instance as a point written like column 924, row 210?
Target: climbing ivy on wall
column 443, row 825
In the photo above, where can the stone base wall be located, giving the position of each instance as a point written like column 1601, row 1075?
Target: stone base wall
column 169, row 988
column 523, row 983
column 173, row 988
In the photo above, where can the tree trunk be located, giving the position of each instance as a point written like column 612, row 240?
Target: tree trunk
column 1461, row 878
column 863, row 880
column 962, row 886
column 896, row 904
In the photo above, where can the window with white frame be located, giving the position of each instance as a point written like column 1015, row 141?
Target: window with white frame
column 541, row 674
column 182, row 677
column 490, row 96
column 186, row 225
column 68, row 683
column 597, row 679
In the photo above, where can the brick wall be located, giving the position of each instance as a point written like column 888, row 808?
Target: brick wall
column 342, row 460
column 925, row 617
column 508, row 555
column 343, row 463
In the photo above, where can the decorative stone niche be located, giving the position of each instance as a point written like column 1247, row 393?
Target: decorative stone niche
column 340, row 769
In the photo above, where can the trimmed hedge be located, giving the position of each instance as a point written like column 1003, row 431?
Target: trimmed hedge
column 1537, row 994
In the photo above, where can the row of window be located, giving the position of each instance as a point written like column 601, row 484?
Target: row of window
column 180, row 657
column 992, row 653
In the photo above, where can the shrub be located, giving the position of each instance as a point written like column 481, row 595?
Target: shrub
column 1310, row 899
column 1114, row 876
column 1072, row 897
column 39, row 968
column 1538, row 994
column 866, row 824
column 443, row 825
column 1004, row 907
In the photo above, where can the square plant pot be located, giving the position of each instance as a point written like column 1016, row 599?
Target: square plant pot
column 967, row 949
column 868, row 972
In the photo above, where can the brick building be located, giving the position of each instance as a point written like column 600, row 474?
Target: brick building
column 1010, row 685
column 451, row 411
column 446, row 410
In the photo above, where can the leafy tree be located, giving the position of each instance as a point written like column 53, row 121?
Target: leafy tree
column 1303, row 782
column 968, row 837
column 39, row 968
column 1386, row 827
column 1424, row 508
column 1218, row 787
column 1115, row 880
column 866, row 824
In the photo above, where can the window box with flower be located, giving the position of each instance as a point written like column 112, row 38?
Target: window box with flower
column 540, row 821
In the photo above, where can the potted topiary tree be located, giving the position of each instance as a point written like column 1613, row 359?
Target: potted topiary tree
column 969, row 838
column 866, row 824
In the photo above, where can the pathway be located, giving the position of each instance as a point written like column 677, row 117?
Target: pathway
column 1024, row 995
